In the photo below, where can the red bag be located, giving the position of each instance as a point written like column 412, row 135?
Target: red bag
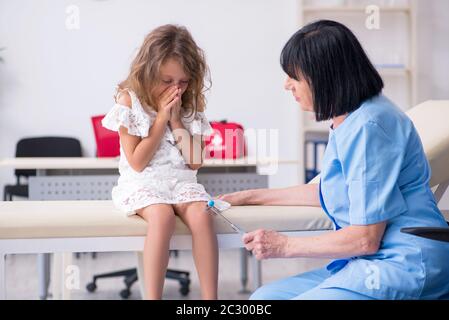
column 108, row 142
column 227, row 141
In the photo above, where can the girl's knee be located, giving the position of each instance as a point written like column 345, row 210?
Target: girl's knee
column 159, row 217
column 201, row 226
column 196, row 217
column 163, row 220
column 202, row 218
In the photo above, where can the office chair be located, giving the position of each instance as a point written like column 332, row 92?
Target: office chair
column 439, row 234
column 39, row 147
column 108, row 145
column 130, row 277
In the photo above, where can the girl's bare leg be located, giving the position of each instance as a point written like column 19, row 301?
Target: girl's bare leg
column 161, row 224
column 204, row 245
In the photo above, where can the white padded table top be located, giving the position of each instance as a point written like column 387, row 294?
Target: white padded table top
column 431, row 121
column 55, row 219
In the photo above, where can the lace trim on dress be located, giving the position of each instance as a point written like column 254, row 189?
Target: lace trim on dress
column 143, row 196
column 120, row 115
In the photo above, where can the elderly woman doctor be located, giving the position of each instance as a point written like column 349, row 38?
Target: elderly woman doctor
column 374, row 181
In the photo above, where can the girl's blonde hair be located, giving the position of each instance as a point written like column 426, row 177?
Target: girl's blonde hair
column 164, row 42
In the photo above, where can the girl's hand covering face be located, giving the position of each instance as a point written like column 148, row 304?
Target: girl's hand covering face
column 168, row 99
column 176, row 109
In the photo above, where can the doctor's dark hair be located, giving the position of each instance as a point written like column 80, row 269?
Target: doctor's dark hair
column 328, row 56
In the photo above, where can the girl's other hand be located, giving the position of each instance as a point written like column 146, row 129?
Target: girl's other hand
column 169, row 98
column 176, row 109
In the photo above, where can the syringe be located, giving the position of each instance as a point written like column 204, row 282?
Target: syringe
column 211, row 207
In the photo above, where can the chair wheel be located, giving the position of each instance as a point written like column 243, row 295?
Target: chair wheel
column 184, row 290
column 185, row 287
column 125, row 293
column 91, row 287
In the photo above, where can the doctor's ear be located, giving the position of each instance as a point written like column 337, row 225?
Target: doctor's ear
column 289, row 83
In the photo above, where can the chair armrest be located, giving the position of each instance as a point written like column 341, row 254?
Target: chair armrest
column 440, row 234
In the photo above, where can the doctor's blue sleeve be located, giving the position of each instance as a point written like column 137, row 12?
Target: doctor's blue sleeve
column 373, row 164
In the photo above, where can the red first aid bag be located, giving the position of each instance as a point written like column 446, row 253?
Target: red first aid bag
column 107, row 141
column 227, row 141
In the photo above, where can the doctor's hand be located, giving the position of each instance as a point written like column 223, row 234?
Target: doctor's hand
column 266, row 244
column 236, row 198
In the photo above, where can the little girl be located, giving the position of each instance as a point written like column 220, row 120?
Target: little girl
column 159, row 114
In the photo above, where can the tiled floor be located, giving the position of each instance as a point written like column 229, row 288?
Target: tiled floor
column 22, row 275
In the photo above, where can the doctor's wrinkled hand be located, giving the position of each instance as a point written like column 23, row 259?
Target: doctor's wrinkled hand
column 266, row 244
column 238, row 198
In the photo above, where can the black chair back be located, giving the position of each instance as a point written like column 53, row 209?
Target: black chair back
column 46, row 147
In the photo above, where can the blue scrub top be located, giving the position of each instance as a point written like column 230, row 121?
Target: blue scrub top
column 374, row 170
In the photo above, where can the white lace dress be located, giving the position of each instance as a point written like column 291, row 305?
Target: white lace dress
column 167, row 178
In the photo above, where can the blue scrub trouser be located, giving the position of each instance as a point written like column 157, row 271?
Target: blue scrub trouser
column 304, row 286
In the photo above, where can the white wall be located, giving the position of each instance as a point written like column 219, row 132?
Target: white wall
column 53, row 79
column 433, row 50
column 433, row 56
